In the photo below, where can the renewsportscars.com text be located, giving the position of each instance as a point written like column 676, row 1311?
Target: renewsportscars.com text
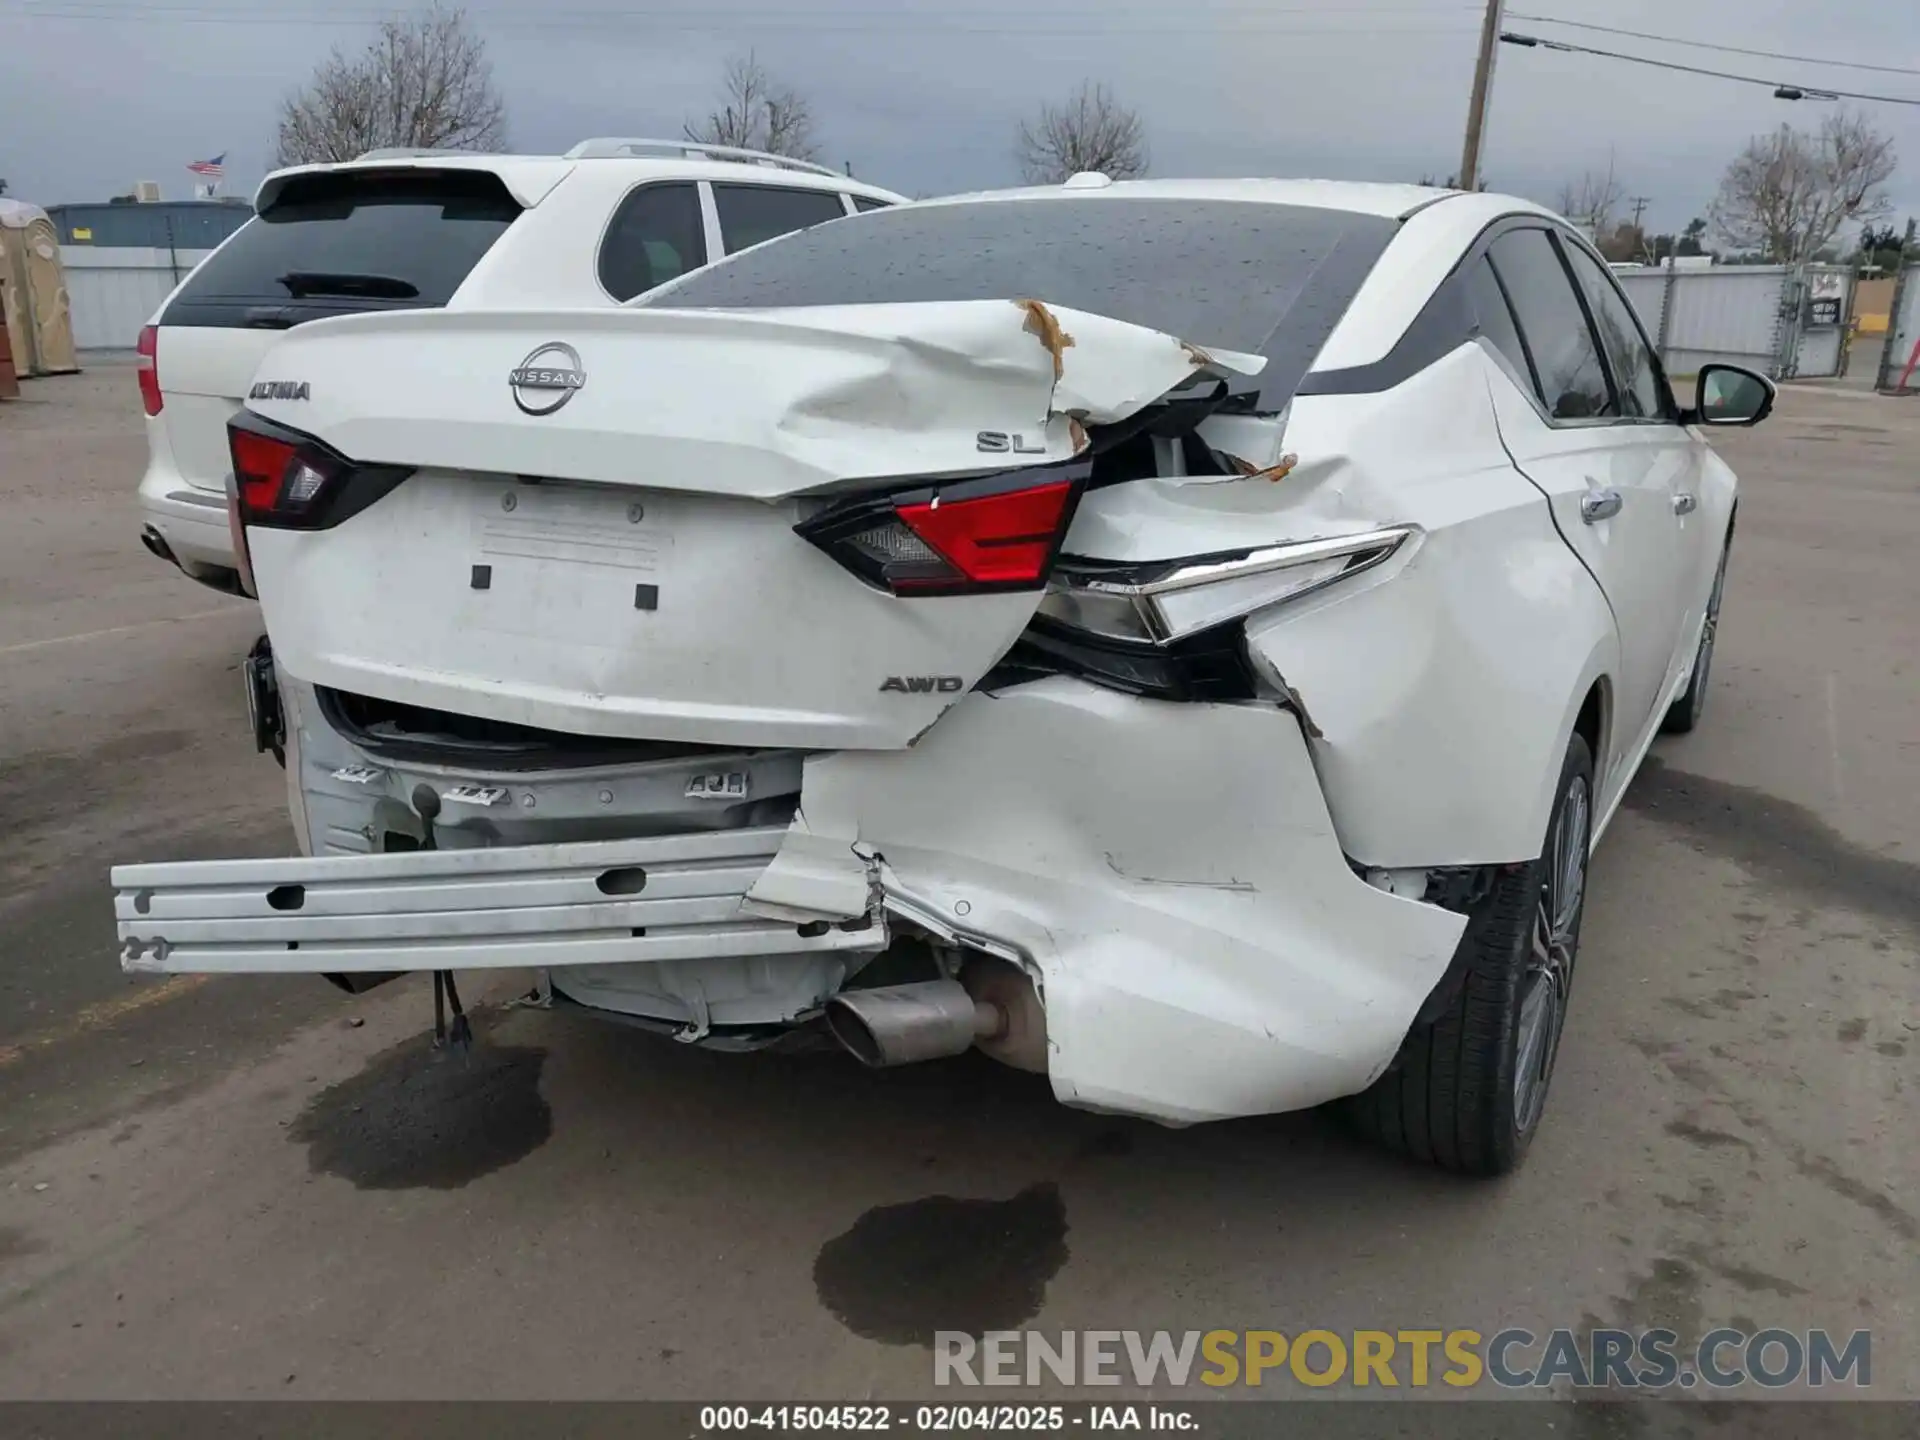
column 1413, row 1359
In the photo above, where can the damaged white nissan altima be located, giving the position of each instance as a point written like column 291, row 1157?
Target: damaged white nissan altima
column 1181, row 637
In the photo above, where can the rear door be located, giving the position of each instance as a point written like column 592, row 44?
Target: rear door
column 330, row 243
column 1611, row 475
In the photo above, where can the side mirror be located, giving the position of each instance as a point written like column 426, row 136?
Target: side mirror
column 1731, row 395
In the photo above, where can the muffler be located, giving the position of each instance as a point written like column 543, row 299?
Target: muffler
column 902, row 1024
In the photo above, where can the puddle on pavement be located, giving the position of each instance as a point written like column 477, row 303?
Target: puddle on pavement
column 904, row 1272
column 418, row 1118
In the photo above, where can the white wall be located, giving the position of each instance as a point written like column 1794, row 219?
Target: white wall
column 114, row 290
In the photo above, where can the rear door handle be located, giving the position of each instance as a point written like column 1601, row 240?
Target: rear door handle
column 1599, row 505
column 1684, row 503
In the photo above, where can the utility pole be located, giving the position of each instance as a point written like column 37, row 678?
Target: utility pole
column 1482, row 95
column 1640, row 203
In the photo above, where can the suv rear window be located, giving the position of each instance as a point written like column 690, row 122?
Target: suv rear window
column 339, row 242
column 1237, row 275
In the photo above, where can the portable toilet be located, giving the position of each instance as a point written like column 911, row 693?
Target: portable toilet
column 33, row 290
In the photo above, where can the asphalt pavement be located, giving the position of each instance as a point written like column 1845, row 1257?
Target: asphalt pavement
column 262, row 1188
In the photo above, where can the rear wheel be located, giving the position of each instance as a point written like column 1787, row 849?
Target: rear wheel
column 1685, row 711
column 1467, row 1091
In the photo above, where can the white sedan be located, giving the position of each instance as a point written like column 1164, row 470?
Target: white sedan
column 1182, row 637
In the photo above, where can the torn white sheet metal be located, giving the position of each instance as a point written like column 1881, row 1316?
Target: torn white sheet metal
column 761, row 403
column 614, row 902
column 1203, row 948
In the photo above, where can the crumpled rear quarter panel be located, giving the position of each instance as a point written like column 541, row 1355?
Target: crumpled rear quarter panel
column 1204, row 950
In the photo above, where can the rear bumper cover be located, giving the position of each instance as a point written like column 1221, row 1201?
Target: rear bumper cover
column 1168, row 875
column 193, row 522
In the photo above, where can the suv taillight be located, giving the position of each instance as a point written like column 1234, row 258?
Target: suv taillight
column 148, row 349
column 966, row 537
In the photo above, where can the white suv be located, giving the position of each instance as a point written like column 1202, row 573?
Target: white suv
column 412, row 229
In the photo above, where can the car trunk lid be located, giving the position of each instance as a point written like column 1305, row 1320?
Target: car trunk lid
column 600, row 534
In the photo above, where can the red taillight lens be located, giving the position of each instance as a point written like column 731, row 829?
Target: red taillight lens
column 148, row 349
column 284, row 480
column 1000, row 532
column 260, row 466
column 998, row 539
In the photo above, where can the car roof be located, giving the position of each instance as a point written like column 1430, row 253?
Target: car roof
column 529, row 178
column 1361, row 196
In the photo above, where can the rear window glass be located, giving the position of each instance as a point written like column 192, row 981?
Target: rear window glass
column 344, row 241
column 1270, row 279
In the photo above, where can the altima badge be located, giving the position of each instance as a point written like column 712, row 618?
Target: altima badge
column 547, row 378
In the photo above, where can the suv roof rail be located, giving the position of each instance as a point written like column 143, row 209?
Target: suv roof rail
column 615, row 147
column 411, row 152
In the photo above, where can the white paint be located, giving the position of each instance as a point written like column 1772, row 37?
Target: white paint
column 1203, row 948
column 759, row 639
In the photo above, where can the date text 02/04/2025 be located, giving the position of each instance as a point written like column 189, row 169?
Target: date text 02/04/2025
column 946, row 1419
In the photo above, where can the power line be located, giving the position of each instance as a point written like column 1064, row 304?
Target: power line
column 1780, row 88
column 1712, row 45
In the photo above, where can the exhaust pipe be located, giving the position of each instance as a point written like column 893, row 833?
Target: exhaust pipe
column 156, row 544
column 901, row 1024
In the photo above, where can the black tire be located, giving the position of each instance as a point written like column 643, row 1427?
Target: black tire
column 1685, row 711
column 1453, row 1096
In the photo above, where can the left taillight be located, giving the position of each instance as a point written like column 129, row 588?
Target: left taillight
column 284, row 480
column 147, row 348
column 976, row 536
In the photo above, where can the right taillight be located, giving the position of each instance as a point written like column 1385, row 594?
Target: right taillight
column 147, row 348
column 976, row 536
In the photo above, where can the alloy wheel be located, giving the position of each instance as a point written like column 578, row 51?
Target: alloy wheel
column 1549, row 969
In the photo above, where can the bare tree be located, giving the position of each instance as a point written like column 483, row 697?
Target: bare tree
column 1591, row 200
column 1789, row 194
column 1091, row 131
column 759, row 113
column 423, row 81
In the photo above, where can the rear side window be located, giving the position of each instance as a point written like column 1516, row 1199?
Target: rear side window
column 1238, row 275
column 750, row 214
column 655, row 236
column 1573, row 380
column 1633, row 363
column 344, row 241
column 863, row 204
column 1496, row 320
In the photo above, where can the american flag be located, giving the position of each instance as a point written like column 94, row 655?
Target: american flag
column 214, row 169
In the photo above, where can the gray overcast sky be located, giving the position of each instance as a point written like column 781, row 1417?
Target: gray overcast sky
column 922, row 96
